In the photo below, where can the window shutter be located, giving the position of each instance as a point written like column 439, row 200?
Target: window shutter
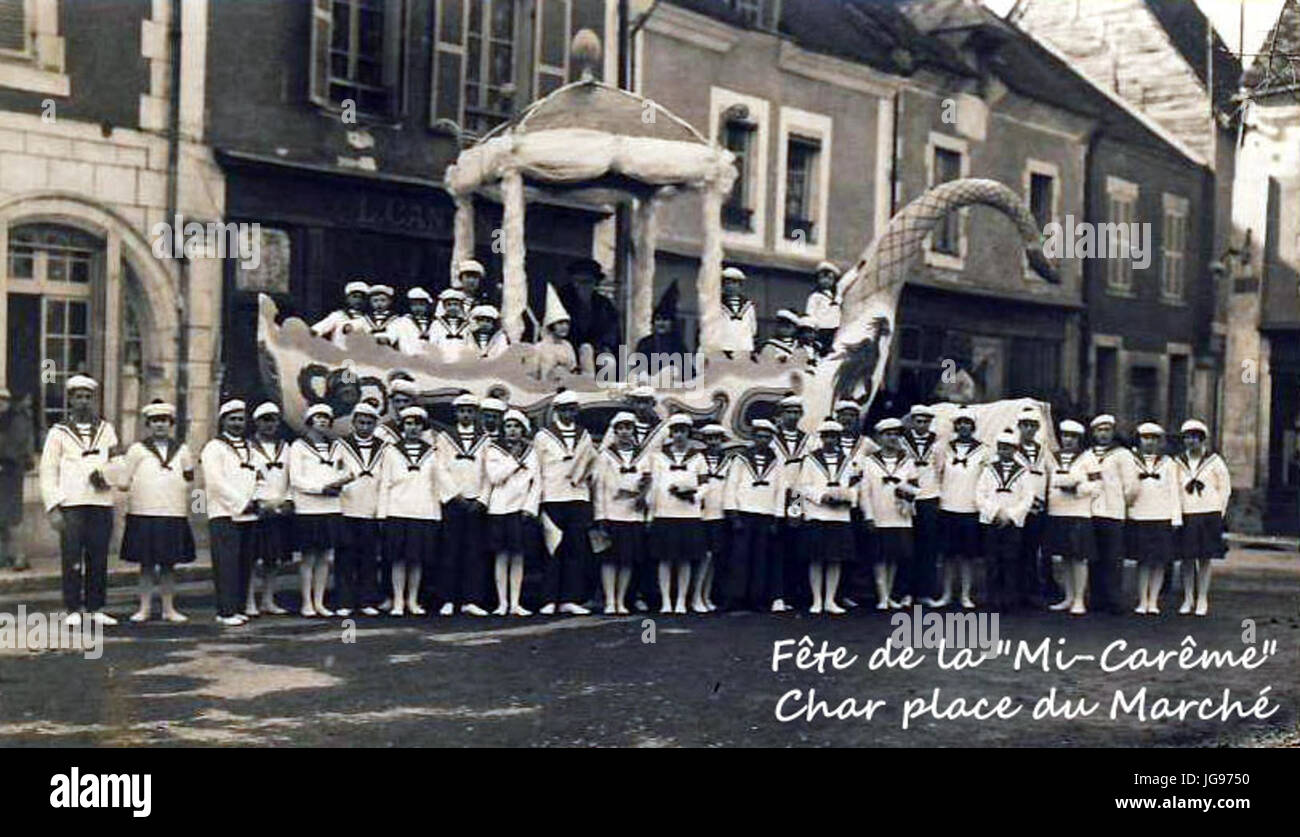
column 394, row 54
column 448, row 62
column 552, row 47
column 322, row 24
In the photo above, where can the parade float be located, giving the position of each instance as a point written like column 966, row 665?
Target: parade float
column 591, row 141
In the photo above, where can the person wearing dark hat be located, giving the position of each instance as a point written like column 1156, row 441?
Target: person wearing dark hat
column 79, row 499
column 664, row 344
column 15, row 461
column 230, row 480
column 595, row 320
column 754, row 500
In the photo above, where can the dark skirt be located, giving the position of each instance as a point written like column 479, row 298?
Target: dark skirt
column 315, row 531
column 409, row 542
column 894, row 544
column 1151, row 542
column 828, row 541
column 715, row 540
column 273, row 541
column 628, row 543
column 1070, row 537
column 1109, row 538
column 961, row 534
column 514, row 532
column 677, row 539
column 157, row 541
column 1201, row 536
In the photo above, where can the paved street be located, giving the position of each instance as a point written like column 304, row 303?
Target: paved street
column 592, row 681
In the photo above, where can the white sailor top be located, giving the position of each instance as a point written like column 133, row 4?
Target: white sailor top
column 72, row 452
column 414, row 336
column 561, row 451
column 1006, row 487
column 363, row 460
column 487, row 348
column 408, row 482
column 1038, row 459
column 857, row 448
column 452, row 339
column 961, row 471
column 336, row 325
column 737, row 325
column 1206, row 485
column 460, row 455
column 616, row 481
column 1118, row 474
column 1157, row 493
column 158, row 477
column 1081, row 471
column 825, row 478
column 756, row 483
column 229, row 478
column 648, row 435
column 551, row 354
column 823, row 307
column 515, row 481
column 311, row 468
column 681, row 471
column 713, row 483
column 272, row 465
column 888, row 489
column 929, row 459
column 778, row 348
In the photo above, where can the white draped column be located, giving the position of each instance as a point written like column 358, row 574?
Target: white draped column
column 462, row 234
column 514, row 280
column 645, row 233
column 708, row 282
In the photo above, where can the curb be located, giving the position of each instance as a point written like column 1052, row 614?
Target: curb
column 39, row 581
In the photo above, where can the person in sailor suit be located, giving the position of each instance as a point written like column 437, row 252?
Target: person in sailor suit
column 783, row 346
column 886, row 496
column 1004, row 493
column 621, row 483
column 414, row 329
column 553, row 353
column 513, row 477
column 828, row 487
column 450, row 332
column 230, row 482
column 338, row 324
column 964, row 457
column 1118, row 479
column 402, row 393
column 677, row 505
column 382, row 323
column 739, row 319
column 649, row 430
column 1072, row 484
column 273, row 531
column 805, row 335
column 409, row 510
column 791, row 446
column 79, row 499
column 823, row 305
column 754, row 500
column 1155, row 512
column 463, row 572
column 487, row 340
column 855, row 445
column 1206, row 488
column 357, row 573
column 565, row 453
column 717, row 465
column 922, row 445
column 316, row 478
column 1035, row 564
column 158, row 472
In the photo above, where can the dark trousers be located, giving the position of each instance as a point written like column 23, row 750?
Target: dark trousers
column 356, row 559
column 857, row 582
column 1036, row 586
column 463, row 568
column 565, row 574
column 232, row 562
column 1107, row 574
column 1002, row 550
column 84, row 547
column 922, row 571
column 754, row 572
column 791, row 582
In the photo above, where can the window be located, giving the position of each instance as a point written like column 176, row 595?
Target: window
column 13, row 26
column 1122, row 202
column 738, row 137
column 920, row 358
column 947, row 235
column 739, row 123
column 802, row 189
column 357, row 55
column 31, row 49
column 1174, row 247
column 1107, row 380
column 1034, row 367
column 947, row 159
column 552, row 46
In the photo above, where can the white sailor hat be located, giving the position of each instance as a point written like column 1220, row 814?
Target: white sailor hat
column 493, row 405
column 81, row 382
column 469, row 266
column 733, row 273
column 234, row 405
column 623, row 417
column 487, row 311
column 788, row 315
column 830, row 426
column 1008, row 437
column 1028, row 413
column 825, row 266
column 1150, row 428
column 418, row 293
column 790, row 401
column 1104, row 418
column 643, row 391
column 365, row 408
column 356, row 286
column 403, row 386
column 466, row 399
column 414, row 411
column 1194, row 426
column 678, row 419
column 1072, row 426
column 961, row 413
column 921, row 410
column 806, row 322
column 763, row 424
column 886, row 424
column 713, row 429
column 319, row 409
column 381, row 289
column 515, row 415
column 561, row 399
column 158, row 409
column 452, row 293
column 266, row 408
column 846, row 404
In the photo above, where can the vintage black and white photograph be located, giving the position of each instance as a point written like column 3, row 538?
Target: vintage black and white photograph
column 651, row 374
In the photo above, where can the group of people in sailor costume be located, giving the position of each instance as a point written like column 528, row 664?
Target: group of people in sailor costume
column 800, row 338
